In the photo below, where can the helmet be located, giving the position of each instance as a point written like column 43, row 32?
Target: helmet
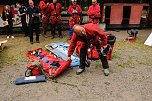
column 73, row 0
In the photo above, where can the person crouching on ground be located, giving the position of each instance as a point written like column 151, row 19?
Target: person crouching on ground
column 88, row 34
column 33, row 14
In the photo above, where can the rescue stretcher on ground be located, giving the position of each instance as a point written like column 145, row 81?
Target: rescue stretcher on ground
column 51, row 65
column 60, row 49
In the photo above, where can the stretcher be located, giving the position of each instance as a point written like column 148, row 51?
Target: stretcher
column 43, row 63
column 60, row 49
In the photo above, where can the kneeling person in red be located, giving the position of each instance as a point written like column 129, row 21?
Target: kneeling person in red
column 89, row 34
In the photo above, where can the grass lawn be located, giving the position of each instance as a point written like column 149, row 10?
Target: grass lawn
column 126, row 54
column 15, row 49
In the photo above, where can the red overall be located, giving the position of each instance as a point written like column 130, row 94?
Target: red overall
column 94, row 14
column 93, row 35
column 45, row 16
column 55, row 13
column 74, row 17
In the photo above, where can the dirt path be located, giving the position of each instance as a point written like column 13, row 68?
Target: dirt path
column 130, row 78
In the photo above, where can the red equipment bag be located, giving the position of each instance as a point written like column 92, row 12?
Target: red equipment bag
column 131, row 38
column 92, row 53
column 111, row 42
column 132, row 35
column 51, row 65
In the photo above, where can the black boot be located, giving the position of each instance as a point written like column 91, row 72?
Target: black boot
column 83, row 53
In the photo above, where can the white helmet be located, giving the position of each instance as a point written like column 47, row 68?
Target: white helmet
column 73, row 0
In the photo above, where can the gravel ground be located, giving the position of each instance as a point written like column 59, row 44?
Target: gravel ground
column 130, row 78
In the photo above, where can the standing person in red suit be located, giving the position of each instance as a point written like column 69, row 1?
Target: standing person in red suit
column 89, row 34
column 94, row 13
column 44, row 5
column 55, row 12
column 75, row 13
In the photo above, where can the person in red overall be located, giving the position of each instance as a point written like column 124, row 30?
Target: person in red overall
column 43, row 5
column 75, row 13
column 94, row 12
column 55, row 12
column 89, row 34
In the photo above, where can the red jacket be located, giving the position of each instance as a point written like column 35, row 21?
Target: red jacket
column 55, row 13
column 93, row 33
column 74, row 18
column 94, row 14
column 44, row 7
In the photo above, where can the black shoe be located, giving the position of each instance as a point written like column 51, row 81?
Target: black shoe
column 60, row 36
column 37, row 41
column 70, row 37
column 79, row 71
column 45, row 35
column 31, row 42
column 52, row 37
column 87, row 63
